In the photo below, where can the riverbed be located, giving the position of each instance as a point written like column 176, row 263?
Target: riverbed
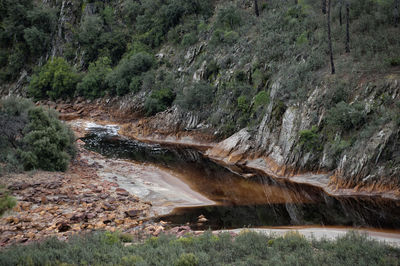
column 183, row 184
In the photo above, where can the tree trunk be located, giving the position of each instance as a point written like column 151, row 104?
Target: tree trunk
column 256, row 8
column 396, row 13
column 340, row 12
column 347, row 27
column 296, row 2
column 328, row 18
column 323, row 6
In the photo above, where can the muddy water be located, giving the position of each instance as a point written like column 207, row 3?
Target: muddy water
column 253, row 201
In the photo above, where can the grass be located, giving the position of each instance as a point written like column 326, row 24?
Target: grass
column 249, row 248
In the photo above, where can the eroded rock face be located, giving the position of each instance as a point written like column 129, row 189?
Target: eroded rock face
column 274, row 147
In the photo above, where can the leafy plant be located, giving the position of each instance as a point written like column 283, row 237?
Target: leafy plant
column 48, row 143
column 6, row 201
column 93, row 84
column 120, row 78
column 56, row 79
column 310, row 140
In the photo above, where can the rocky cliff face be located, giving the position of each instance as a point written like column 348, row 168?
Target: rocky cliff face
column 369, row 163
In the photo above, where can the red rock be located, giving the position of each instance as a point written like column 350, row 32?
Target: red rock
column 63, row 227
column 133, row 213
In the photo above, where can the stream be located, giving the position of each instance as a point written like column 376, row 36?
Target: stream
column 250, row 200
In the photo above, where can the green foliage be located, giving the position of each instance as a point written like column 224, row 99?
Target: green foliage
column 394, row 61
column 229, row 17
column 243, row 104
column 189, row 39
column 33, row 138
column 48, row 143
column 261, row 99
column 162, row 95
column 56, row 79
column 345, row 117
column 24, row 25
column 310, row 140
column 101, row 35
column 93, row 84
column 120, row 78
column 246, row 249
column 158, row 17
column 187, row 259
column 6, row 201
column 221, row 36
column 198, row 95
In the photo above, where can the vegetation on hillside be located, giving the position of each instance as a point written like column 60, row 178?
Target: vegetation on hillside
column 6, row 201
column 33, row 137
column 217, row 59
column 105, row 248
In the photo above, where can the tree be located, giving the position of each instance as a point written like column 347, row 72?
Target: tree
column 328, row 18
column 56, row 79
column 347, row 26
column 340, row 12
column 256, row 8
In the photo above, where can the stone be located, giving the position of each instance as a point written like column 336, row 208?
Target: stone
column 133, row 213
column 63, row 227
column 158, row 230
column 122, row 192
column 18, row 186
column 202, row 220
column 91, row 215
column 78, row 217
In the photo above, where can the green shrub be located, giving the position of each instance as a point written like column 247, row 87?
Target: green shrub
column 48, row 143
column 345, row 117
column 93, row 84
column 230, row 37
column 198, row 95
column 33, row 137
column 120, row 78
column 187, row 259
column 56, row 79
column 310, row 140
column 6, row 201
column 162, row 95
column 246, row 249
column 221, row 36
column 394, row 61
column 229, row 17
column 243, row 104
column 189, row 39
column 261, row 99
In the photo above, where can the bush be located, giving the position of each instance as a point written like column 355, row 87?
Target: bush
column 102, row 248
column 310, row 140
column 162, row 96
column 187, row 259
column 243, row 104
column 345, row 117
column 48, row 144
column 261, row 99
column 33, row 137
column 195, row 97
column 189, row 39
column 120, row 78
column 56, row 79
column 229, row 17
column 6, row 201
column 94, row 84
